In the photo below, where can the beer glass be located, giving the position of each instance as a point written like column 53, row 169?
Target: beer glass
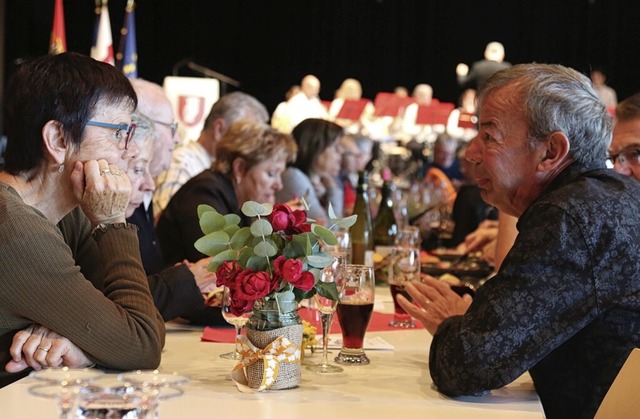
column 357, row 290
column 405, row 267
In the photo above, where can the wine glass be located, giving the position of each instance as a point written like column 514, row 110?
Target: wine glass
column 64, row 384
column 327, row 307
column 236, row 321
column 151, row 386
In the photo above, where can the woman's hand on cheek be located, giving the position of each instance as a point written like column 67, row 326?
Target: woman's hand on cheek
column 106, row 194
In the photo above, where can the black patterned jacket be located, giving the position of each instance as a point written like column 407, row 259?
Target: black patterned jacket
column 565, row 305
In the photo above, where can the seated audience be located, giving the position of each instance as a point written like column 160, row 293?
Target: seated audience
column 564, row 305
column 193, row 157
column 446, row 159
column 313, row 176
column 624, row 151
column 250, row 159
column 73, row 294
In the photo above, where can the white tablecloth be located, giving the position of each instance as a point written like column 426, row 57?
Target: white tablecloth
column 395, row 385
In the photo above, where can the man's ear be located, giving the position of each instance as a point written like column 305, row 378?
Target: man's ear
column 555, row 151
column 54, row 141
column 218, row 128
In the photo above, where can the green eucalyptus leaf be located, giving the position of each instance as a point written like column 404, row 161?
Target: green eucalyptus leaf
column 325, row 234
column 345, row 222
column 232, row 219
column 254, row 209
column 224, row 256
column 286, row 301
column 261, row 227
column 231, row 230
column 265, row 249
column 212, row 243
column 202, row 208
column 244, row 256
column 240, row 238
column 331, row 212
column 257, row 263
column 320, row 260
column 211, row 221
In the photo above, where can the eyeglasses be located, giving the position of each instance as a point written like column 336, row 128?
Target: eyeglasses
column 173, row 126
column 628, row 156
column 128, row 129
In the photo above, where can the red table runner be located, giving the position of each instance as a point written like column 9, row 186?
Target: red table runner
column 379, row 323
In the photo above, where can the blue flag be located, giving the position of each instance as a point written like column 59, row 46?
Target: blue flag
column 127, row 57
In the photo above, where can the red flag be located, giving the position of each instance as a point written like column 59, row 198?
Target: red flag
column 58, row 42
column 103, row 50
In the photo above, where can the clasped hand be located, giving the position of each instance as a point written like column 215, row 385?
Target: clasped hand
column 37, row 347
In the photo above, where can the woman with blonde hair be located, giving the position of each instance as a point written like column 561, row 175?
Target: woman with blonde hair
column 250, row 159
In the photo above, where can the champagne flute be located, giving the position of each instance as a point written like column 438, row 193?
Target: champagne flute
column 236, row 321
column 327, row 308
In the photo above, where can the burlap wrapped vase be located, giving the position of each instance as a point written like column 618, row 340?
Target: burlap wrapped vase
column 269, row 322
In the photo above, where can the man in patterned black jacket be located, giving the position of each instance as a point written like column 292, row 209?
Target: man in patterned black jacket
column 565, row 304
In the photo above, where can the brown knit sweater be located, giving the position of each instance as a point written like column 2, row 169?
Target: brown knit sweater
column 43, row 280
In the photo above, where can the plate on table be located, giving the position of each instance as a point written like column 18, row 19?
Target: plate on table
column 467, row 268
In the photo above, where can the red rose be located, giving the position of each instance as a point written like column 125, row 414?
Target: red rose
column 280, row 217
column 226, row 273
column 299, row 222
column 306, row 281
column 251, row 285
column 239, row 305
column 291, row 270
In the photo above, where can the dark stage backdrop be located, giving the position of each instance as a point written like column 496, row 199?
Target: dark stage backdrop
column 268, row 45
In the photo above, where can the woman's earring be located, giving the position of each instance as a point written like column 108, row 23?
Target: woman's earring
column 61, row 168
column 238, row 180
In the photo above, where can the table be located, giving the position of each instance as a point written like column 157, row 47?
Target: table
column 395, row 385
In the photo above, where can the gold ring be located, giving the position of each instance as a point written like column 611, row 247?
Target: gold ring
column 105, row 171
column 44, row 349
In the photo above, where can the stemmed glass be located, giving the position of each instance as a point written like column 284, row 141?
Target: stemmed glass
column 152, row 386
column 236, row 321
column 327, row 308
column 65, row 385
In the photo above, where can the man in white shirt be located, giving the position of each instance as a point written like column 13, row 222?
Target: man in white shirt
column 194, row 157
column 305, row 104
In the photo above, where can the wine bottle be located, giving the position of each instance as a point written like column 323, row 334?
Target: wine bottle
column 385, row 227
column 361, row 231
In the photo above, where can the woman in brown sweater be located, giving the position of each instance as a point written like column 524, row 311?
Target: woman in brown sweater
column 72, row 287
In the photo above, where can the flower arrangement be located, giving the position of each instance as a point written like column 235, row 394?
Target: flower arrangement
column 279, row 257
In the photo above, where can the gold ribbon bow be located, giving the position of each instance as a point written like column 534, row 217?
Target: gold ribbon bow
column 280, row 350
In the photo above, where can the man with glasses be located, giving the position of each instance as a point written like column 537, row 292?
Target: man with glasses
column 155, row 105
column 195, row 156
column 624, row 152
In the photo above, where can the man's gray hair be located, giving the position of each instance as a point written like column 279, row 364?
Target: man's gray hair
column 557, row 98
column 235, row 106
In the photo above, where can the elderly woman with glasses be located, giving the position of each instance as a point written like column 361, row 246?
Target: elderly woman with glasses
column 74, row 291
